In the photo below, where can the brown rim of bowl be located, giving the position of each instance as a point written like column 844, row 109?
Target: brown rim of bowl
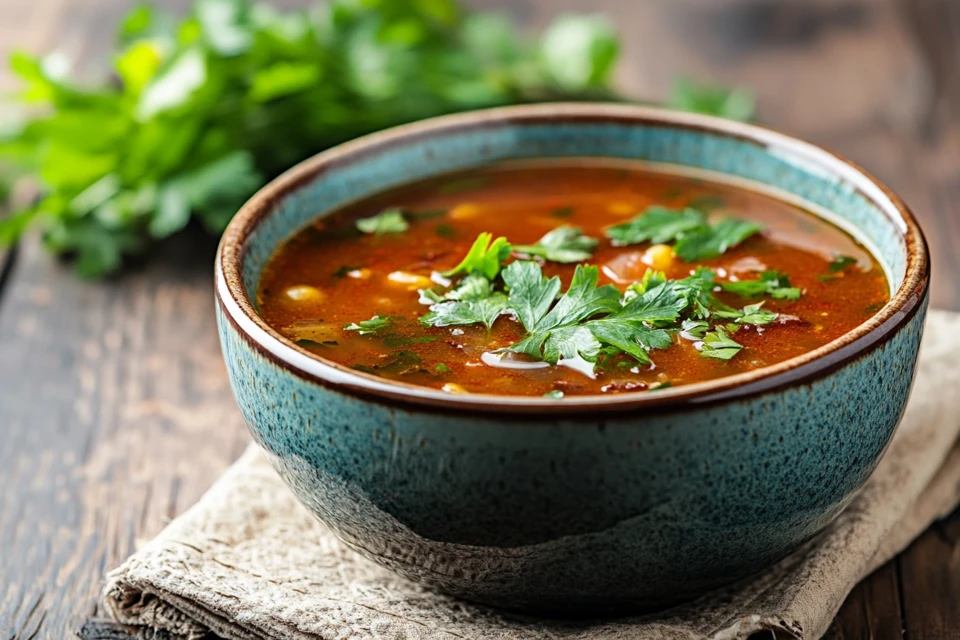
column 903, row 305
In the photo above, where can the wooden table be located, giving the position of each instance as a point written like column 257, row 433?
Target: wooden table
column 115, row 412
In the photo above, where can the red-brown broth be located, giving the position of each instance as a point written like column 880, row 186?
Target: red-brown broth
column 523, row 202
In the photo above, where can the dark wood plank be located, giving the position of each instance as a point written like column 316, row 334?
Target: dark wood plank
column 872, row 610
column 117, row 416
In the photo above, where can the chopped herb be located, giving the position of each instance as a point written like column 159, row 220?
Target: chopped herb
column 657, row 225
column 694, row 329
column 313, row 344
column 711, row 241
column 387, row 221
column 486, row 256
column 750, row 314
column 717, row 344
column 562, row 212
column 371, row 326
column 472, row 287
column 344, row 270
column 402, row 362
column 564, row 244
column 464, row 184
column 840, row 263
column 442, row 368
column 531, row 294
column 460, row 312
column 445, row 231
column 770, row 283
column 556, row 394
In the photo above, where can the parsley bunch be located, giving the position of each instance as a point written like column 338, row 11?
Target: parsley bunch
column 200, row 112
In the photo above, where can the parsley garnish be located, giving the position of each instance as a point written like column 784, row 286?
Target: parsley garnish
column 564, row 244
column 387, row 221
column 713, row 240
column 658, row 225
column 840, row 263
column 457, row 312
column 372, row 326
column 441, row 368
column 531, row 294
column 556, row 394
column 750, row 314
column 485, row 257
column 837, row 265
column 694, row 238
column 770, row 283
column 718, row 344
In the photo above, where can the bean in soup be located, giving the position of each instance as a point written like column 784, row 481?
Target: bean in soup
column 568, row 278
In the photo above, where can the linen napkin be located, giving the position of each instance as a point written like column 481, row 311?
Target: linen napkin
column 248, row 561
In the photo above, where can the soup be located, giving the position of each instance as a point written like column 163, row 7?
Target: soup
column 567, row 278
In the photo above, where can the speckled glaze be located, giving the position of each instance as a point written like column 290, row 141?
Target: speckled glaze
column 592, row 504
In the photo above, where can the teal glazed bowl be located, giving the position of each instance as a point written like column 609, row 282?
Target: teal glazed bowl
column 590, row 504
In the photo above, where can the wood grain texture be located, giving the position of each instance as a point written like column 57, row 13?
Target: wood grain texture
column 115, row 413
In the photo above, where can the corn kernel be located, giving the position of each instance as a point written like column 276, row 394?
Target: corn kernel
column 410, row 280
column 659, row 256
column 623, row 208
column 304, row 293
column 464, row 211
column 360, row 274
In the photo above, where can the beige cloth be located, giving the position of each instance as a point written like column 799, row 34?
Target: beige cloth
column 249, row 562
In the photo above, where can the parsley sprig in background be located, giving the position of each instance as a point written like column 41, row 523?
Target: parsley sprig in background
column 199, row 113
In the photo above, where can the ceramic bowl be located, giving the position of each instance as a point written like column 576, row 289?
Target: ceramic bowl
column 586, row 504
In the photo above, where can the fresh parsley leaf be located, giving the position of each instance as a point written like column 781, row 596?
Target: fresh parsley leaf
column 707, row 242
column 374, row 325
column 719, row 345
column 582, row 300
column 631, row 337
column 570, row 342
column 657, row 225
column 470, row 288
column 442, row 368
column 402, row 362
column 840, row 263
column 461, row 312
column 531, row 294
column 694, row 329
column 750, row 314
column 387, row 221
column 485, row 256
column 770, row 283
column 564, row 244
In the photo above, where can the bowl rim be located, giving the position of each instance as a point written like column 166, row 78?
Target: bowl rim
column 906, row 302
